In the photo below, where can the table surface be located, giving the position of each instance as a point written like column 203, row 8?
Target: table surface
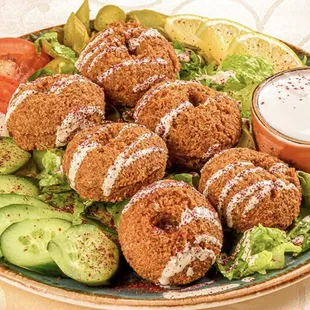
column 285, row 19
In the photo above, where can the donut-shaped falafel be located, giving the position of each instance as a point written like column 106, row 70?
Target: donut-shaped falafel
column 249, row 188
column 169, row 233
column 195, row 121
column 126, row 60
column 47, row 112
column 112, row 162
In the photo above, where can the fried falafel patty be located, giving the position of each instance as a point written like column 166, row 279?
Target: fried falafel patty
column 169, row 233
column 112, row 162
column 47, row 112
column 126, row 60
column 195, row 121
column 249, row 188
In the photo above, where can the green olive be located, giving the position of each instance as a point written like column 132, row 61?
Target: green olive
column 107, row 15
column 83, row 15
column 75, row 34
column 148, row 18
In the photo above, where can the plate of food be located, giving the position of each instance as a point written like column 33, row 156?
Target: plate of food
column 153, row 161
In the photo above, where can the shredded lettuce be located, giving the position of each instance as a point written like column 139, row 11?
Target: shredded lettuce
column 189, row 178
column 53, row 172
column 49, row 43
column 300, row 233
column 115, row 209
column 249, row 72
column 247, row 139
column 193, row 65
column 260, row 249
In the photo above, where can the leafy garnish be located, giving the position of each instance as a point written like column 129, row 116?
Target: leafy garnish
column 304, row 179
column 260, row 249
column 49, row 43
column 53, row 172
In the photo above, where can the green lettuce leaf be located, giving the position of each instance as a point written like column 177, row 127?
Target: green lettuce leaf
column 189, row 178
column 52, row 173
column 193, row 65
column 116, row 209
column 249, row 72
column 40, row 73
column 304, row 179
column 49, row 43
column 260, row 249
column 300, row 233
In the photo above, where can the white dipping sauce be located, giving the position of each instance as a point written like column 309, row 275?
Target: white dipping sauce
column 284, row 103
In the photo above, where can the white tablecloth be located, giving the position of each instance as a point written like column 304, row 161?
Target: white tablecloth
column 286, row 19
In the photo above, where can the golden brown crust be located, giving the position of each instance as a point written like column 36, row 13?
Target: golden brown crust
column 150, row 233
column 212, row 123
column 278, row 209
column 33, row 124
column 93, row 170
column 114, row 47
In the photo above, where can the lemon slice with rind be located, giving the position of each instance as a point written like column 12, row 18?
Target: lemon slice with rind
column 216, row 35
column 256, row 44
column 183, row 28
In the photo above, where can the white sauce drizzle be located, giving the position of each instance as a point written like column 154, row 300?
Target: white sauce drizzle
column 263, row 187
column 17, row 100
column 198, row 213
column 121, row 162
column 59, row 85
column 222, row 172
column 82, row 151
column 232, row 182
column 92, row 44
column 279, row 168
column 148, row 82
column 130, row 62
column 155, row 90
column 76, row 119
column 134, row 43
column 212, row 150
column 107, row 50
column 165, row 123
column 203, row 292
column 190, row 253
column 151, row 189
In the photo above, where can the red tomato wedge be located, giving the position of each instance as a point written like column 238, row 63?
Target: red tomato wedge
column 18, row 59
column 7, row 88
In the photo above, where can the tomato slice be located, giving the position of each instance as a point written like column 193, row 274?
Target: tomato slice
column 7, row 88
column 18, row 59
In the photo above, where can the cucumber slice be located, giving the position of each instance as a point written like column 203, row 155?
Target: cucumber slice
column 17, row 185
column 29, row 170
column 12, row 156
column 24, row 244
column 14, row 199
column 85, row 254
column 16, row 213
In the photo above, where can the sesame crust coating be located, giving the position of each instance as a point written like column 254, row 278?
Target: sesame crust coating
column 155, row 235
column 112, row 162
column 39, row 109
column 194, row 120
column 126, row 60
column 250, row 188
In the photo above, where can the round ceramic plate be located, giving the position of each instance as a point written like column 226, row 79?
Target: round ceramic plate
column 131, row 292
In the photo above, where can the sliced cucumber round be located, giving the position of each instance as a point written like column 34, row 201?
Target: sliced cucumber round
column 24, row 244
column 11, row 184
column 12, row 156
column 85, row 254
column 14, row 199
